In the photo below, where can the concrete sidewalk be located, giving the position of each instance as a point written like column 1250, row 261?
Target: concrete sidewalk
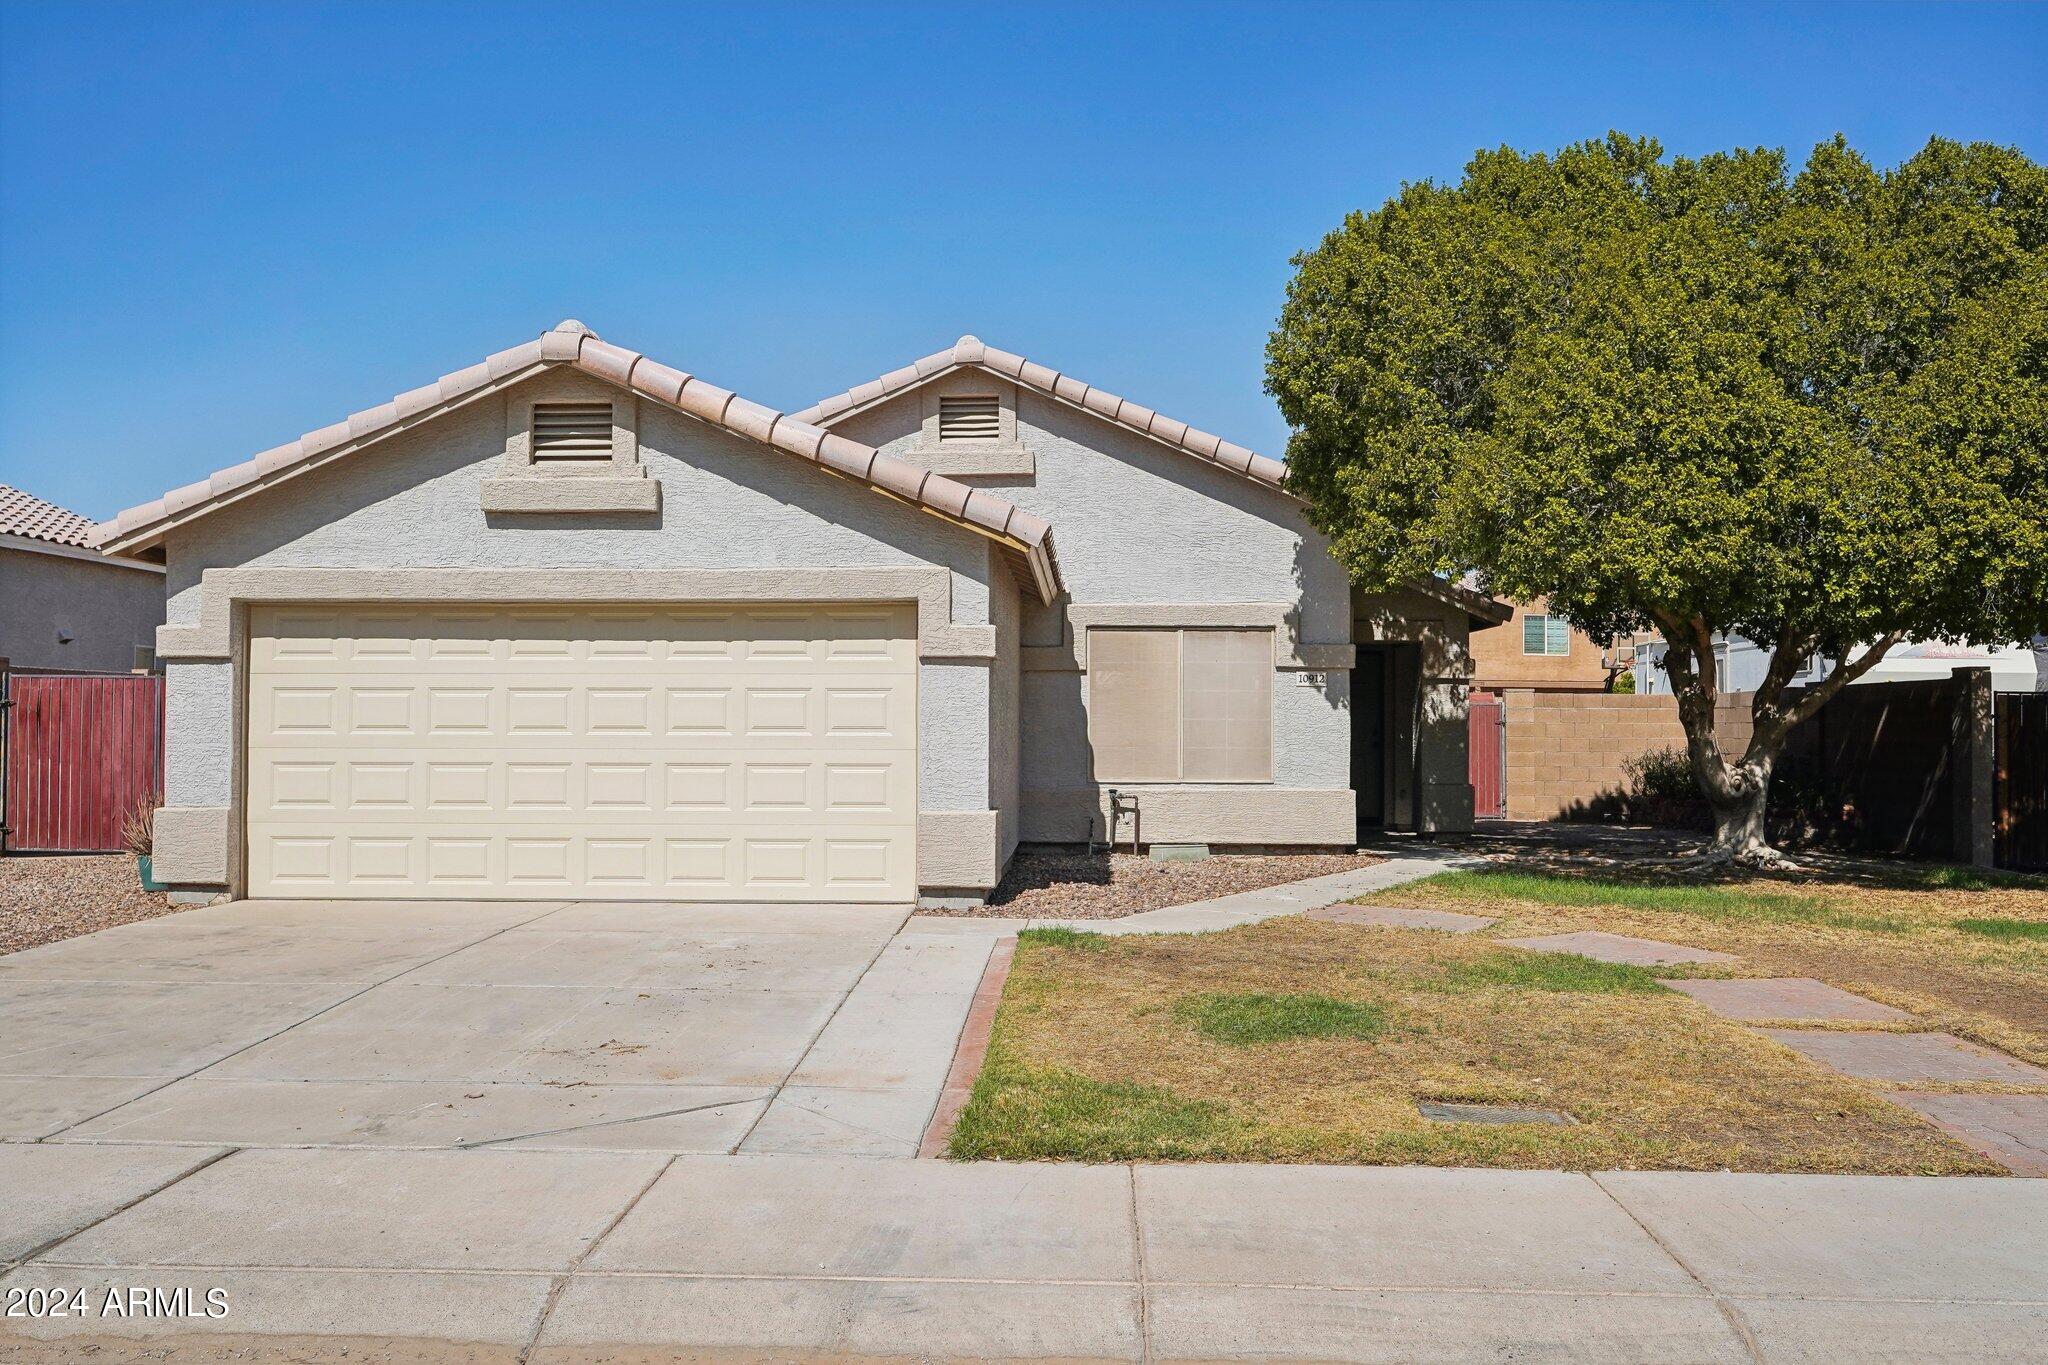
column 573, row 1256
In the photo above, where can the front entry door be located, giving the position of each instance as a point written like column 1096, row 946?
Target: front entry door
column 1369, row 738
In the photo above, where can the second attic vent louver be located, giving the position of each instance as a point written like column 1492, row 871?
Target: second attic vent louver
column 572, row 431
column 970, row 419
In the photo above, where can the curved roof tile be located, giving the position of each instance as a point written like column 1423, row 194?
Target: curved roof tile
column 571, row 345
column 970, row 350
column 26, row 515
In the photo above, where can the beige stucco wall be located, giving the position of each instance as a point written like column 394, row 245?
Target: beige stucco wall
column 415, row 505
column 107, row 609
column 1149, row 529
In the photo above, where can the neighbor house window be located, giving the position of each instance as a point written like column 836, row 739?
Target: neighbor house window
column 1180, row 705
column 1546, row 635
column 572, row 431
column 975, row 417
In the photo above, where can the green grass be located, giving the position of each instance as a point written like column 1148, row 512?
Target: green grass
column 1059, row 936
column 2007, row 929
column 1242, row 1020
column 1949, row 877
column 1024, row 1114
column 1564, row 973
column 1732, row 903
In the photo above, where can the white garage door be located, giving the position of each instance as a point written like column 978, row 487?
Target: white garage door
column 764, row 753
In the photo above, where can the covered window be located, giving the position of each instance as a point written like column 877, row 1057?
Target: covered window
column 1170, row 705
column 1546, row 635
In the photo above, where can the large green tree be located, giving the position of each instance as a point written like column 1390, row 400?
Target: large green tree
column 1690, row 397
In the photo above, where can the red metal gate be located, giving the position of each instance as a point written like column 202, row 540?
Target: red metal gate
column 83, row 750
column 1488, row 747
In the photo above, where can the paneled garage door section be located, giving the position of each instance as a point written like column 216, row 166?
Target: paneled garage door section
column 762, row 753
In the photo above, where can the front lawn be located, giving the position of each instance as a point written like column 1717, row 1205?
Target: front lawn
column 1303, row 1040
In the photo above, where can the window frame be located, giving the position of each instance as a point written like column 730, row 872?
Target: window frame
column 1552, row 626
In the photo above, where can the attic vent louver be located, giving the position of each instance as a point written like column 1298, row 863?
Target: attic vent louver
column 572, row 431
column 970, row 419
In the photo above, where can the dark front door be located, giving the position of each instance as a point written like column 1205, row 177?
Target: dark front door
column 1369, row 738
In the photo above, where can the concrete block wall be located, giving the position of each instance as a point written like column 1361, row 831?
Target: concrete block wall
column 1566, row 750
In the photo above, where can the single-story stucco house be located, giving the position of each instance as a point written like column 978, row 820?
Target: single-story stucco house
column 572, row 623
column 64, row 607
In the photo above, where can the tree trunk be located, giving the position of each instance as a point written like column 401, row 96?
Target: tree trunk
column 1739, row 791
column 1739, row 828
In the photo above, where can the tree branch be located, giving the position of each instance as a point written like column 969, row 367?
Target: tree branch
column 1847, row 673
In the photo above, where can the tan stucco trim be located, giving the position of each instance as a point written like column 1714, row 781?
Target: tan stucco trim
column 970, row 461
column 931, row 587
column 567, row 493
column 189, row 845
column 1289, row 652
column 1004, row 456
column 959, row 849
column 1181, row 813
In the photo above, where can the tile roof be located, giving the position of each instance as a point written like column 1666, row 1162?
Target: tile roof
column 25, row 514
column 969, row 351
column 572, row 345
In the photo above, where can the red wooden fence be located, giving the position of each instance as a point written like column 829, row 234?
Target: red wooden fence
column 82, row 752
column 1488, row 735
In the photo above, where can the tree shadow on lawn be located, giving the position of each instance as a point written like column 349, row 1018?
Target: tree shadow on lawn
column 1637, row 855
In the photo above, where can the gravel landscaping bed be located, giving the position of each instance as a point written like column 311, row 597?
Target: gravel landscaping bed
column 44, row 899
column 1071, row 883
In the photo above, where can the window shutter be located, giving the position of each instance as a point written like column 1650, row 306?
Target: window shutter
column 572, row 431
column 1532, row 634
column 1557, row 635
column 973, row 418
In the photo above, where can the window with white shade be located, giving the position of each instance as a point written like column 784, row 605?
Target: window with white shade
column 1546, row 635
column 1174, row 705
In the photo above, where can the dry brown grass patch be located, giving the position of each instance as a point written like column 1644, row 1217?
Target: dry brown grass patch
column 1654, row 1079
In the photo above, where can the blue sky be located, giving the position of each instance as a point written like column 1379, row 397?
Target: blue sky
column 221, row 226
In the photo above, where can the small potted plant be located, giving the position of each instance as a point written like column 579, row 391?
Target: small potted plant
column 138, row 836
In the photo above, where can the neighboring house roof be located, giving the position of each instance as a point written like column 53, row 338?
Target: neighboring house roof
column 970, row 352
column 26, row 515
column 571, row 345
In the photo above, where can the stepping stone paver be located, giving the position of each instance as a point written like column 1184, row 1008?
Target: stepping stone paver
column 1908, row 1057
column 1397, row 917
column 1637, row 952
column 1445, row 1112
column 1790, row 997
column 2010, row 1129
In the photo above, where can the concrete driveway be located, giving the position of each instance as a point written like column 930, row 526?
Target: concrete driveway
column 601, row 1027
